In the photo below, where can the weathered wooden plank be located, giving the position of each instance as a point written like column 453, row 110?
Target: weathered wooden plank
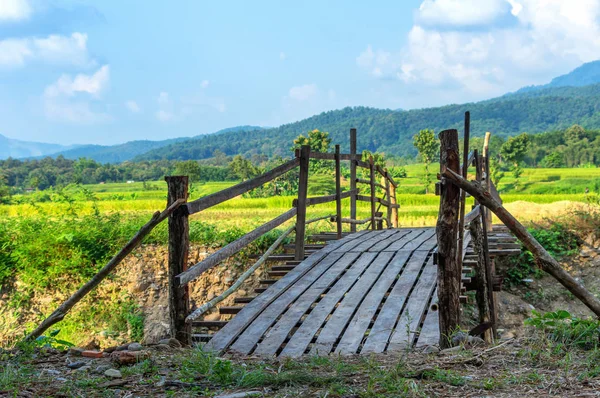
column 317, row 200
column 372, row 239
column 276, row 335
column 303, row 336
column 331, row 156
column 238, row 324
column 250, row 337
column 415, row 308
column 367, row 236
column 384, row 243
column 415, row 241
column 355, row 331
column 243, row 187
column 340, row 317
column 429, row 244
column 232, row 248
column 385, row 322
column 430, row 331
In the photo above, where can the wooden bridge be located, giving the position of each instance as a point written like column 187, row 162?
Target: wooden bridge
column 371, row 291
column 351, row 292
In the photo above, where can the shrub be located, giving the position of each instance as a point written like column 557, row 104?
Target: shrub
column 557, row 239
column 563, row 328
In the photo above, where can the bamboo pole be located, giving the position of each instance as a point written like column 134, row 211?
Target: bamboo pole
column 59, row 314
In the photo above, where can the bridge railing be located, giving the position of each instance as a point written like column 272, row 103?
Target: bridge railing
column 179, row 273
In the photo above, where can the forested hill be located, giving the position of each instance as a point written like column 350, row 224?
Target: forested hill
column 392, row 131
column 127, row 151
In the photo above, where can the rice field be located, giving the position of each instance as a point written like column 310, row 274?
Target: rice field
column 417, row 208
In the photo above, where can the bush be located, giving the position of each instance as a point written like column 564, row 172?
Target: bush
column 557, row 239
column 563, row 328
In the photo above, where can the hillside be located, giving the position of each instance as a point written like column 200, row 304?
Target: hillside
column 19, row 149
column 120, row 152
column 391, row 131
column 584, row 75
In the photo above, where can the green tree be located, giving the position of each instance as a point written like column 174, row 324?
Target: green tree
column 319, row 141
column 243, row 168
column 428, row 146
column 553, row 160
column 189, row 168
column 514, row 151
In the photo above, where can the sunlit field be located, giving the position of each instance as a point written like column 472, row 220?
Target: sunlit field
column 541, row 192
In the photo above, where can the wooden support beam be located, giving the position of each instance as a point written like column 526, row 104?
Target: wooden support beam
column 338, row 192
column 179, row 242
column 544, row 260
column 388, row 194
column 243, row 187
column 353, row 178
column 465, row 167
column 232, row 248
column 372, row 181
column 480, row 281
column 301, row 204
column 449, row 272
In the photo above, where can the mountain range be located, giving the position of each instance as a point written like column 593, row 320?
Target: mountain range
column 566, row 100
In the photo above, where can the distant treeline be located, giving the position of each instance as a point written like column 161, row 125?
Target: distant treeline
column 573, row 147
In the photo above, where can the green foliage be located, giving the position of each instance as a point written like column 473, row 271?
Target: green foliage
column 557, row 239
column 242, row 168
column 553, row 160
column 428, row 146
column 563, row 328
column 318, row 141
column 188, row 168
column 52, row 341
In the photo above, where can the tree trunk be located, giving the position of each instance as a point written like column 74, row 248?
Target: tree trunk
column 449, row 272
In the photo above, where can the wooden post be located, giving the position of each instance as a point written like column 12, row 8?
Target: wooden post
column 353, row 179
column 338, row 192
column 179, row 241
column 302, row 192
column 488, row 178
column 449, row 272
column 394, row 202
column 482, row 294
column 489, row 272
column 372, row 180
column 389, row 198
column 465, row 167
column 477, row 159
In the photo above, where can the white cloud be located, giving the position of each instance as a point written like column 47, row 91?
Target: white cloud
column 69, row 99
column 282, row 56
column 164, row 116
column 133, row 106
column 204, row 83
column 14, row 10
column 539, row 40
column 91, row 84
column 55, row 49
column 460, row 12
column 303, row 93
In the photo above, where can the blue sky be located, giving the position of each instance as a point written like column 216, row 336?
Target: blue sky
column 109, row 71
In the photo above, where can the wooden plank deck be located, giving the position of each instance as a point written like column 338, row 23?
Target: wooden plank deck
column 369, row 292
